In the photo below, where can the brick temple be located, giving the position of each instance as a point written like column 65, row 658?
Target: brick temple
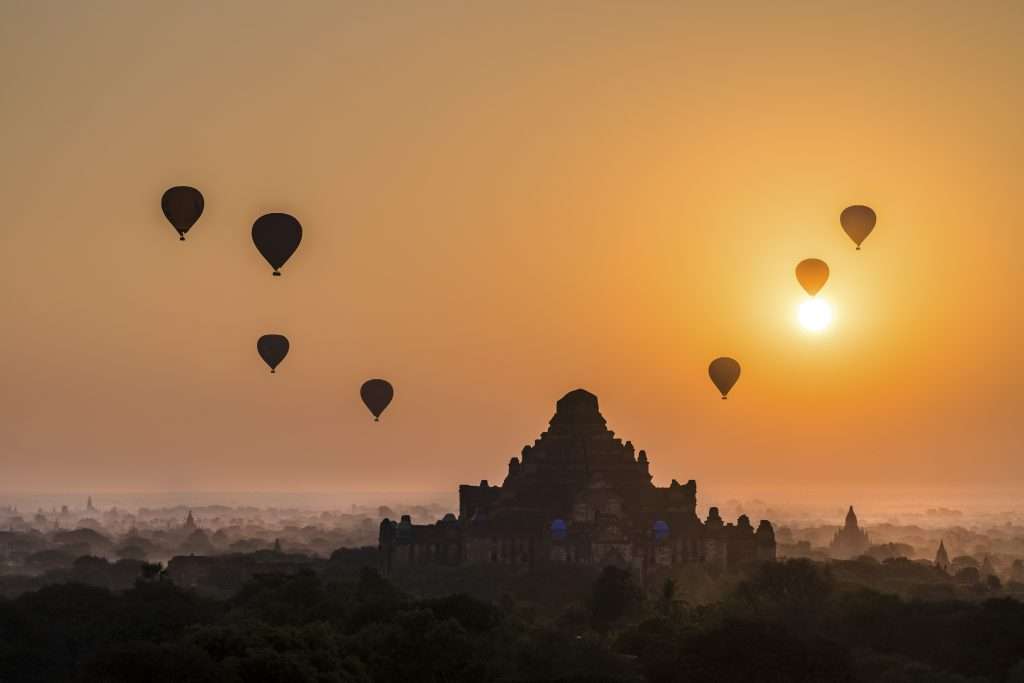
column 577, row 495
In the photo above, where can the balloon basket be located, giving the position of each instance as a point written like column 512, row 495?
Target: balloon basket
column 277, row 274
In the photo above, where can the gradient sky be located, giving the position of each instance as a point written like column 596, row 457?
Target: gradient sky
column 504, row 201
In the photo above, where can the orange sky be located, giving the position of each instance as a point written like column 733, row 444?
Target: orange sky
column 503, row 202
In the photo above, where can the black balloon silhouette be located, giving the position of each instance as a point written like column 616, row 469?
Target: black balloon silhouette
column 376, row 394
column 182, row 206
column 277, row 236
column 724, row 372
column 858, row 221
column 272, row 349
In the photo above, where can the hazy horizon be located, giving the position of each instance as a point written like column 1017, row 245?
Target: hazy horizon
column 874, row 503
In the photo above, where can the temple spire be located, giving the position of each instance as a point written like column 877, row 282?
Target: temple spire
column 941, row 557
column 850, row 540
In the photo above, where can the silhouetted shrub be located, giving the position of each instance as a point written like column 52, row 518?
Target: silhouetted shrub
column 615, row 595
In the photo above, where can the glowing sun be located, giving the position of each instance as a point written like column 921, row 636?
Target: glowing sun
column 815, row 315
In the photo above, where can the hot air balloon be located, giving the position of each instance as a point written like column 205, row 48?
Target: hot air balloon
column 182, row 206
column 858, row 221
column 277, row 236
column 272, row 349
column 812, row 274
column 724, row 372
column 376, row 394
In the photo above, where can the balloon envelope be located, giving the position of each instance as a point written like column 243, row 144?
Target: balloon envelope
column 724, row 372
column 272, row 349
column 812, row 274
column 276, row 236
column 182, row 206
column 376, row 394
column 858, row 221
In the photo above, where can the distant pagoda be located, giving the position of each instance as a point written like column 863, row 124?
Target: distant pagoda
column 941, row 557
column 851, row 540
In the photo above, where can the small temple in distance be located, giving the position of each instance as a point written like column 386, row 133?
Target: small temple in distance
column 850, row 541
column 942, row 557
column 578, row 495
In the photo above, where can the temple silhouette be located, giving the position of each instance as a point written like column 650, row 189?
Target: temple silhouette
column 577, row 495
column 851, row 540
column 942, row 557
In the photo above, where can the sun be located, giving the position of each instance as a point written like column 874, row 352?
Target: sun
column 815, row 315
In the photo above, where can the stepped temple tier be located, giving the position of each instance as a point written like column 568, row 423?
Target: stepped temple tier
column 577, row 495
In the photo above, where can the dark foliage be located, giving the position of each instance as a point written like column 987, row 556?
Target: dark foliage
column 615, row 596
column 789, row 621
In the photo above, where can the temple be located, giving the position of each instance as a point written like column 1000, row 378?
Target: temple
column 942, row 557
column 851, row 540
column 577, row 495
